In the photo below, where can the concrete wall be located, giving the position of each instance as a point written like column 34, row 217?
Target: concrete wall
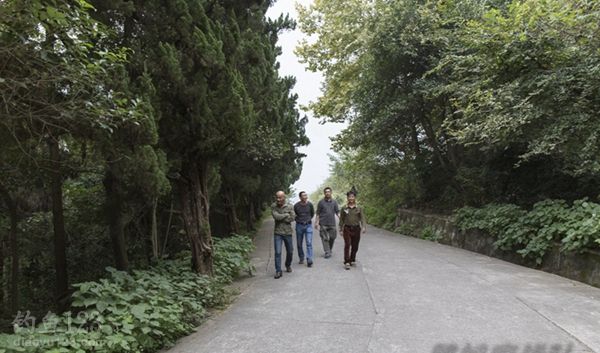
column 583, row 267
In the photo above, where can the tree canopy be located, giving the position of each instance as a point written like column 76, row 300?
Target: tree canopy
column 453, row 103
column 130, row 130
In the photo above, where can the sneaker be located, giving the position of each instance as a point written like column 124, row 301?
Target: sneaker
column 353, row 263
column 278, row 275
column 301, row 262
column 347, row 266
column 327, row 256
column 288, row 269
column 309, row 264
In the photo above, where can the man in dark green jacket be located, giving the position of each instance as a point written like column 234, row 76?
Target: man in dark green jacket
column 283, row 214
column 352, row 224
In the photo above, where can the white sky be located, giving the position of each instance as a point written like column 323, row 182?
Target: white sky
column 316, row 163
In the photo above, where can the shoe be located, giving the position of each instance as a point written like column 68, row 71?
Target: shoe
column 288, row 269
column 278, row 275
column 301, row 262
column 327, row 256
column 347, row 266
column 353, row 263
column 309, row 264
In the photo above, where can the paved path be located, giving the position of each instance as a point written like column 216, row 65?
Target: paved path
column 405, row 295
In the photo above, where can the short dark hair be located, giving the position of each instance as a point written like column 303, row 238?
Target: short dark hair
column 350, row 193
column 327, row 188
column 300, row 193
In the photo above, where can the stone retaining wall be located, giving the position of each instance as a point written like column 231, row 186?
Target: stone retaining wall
column 583, row 267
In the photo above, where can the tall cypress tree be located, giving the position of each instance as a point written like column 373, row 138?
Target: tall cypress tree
column 267, row 158
column 198, row 100
column 220, row 105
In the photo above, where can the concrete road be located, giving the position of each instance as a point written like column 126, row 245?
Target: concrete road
column 405, row 295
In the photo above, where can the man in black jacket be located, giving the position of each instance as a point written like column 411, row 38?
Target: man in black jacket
column 304, row 211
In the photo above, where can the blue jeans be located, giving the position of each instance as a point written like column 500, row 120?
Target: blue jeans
column 304, row 231
column 289, row 250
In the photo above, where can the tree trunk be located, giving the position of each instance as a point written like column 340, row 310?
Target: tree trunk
column 250, row 213
column 193, row 193
column 3, row 277
column 415, row 140
column 233, row 223
column 58, row 221
column 154, row 231
column 257, row 210
column 114, row 214
column 4, row 291
column 14, row 251
column 454, row 149
column 432, row 138
column 164, row 247
column 454, row 153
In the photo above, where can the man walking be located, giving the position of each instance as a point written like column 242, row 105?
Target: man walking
column 283, row 214
column 352, row 222
column 327, row 209
column 305, row 211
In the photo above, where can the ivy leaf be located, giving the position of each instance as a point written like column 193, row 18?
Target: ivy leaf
column 138, row 310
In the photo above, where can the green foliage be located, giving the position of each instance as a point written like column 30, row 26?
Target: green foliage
column 582, row 226
column 531, row 233
column 454, row 103
column 431, row 234
column 492, row 218
column 137, row 95
column 89, row 239
column 232, row 256
column 405, row 228
column 138, row 312
column 54, row 79
column 39, row 268
column 382, row 187
column 520, row 77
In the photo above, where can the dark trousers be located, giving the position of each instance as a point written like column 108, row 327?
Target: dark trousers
column 351, row 240
column 289, row 250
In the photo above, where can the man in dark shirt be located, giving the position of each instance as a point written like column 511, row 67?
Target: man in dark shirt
column 327, row 209
column 304, row 211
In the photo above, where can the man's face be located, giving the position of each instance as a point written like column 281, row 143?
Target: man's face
column 280, row 198
column 303, row 197
column 327, row 193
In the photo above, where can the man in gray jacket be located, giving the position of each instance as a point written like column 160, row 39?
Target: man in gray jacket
column 283, row 214
column 327, row 210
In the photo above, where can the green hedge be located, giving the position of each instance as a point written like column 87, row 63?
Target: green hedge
column 142, row 311
column 532, row 232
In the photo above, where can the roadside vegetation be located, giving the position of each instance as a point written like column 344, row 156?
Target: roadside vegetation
column 489, row 105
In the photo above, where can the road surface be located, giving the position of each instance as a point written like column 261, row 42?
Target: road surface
column 405, row 295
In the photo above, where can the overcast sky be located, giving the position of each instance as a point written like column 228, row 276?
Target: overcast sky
column 316, row 164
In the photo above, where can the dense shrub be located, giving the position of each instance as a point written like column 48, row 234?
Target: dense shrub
column 532, row 232
column 140, row 311
column 231, row 257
